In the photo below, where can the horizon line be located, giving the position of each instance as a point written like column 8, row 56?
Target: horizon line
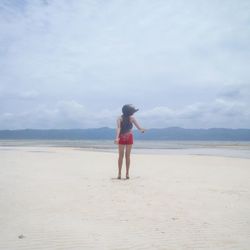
column 105, row 127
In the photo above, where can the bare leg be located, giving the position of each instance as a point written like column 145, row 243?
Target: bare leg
column 128, row 151
column 120, row 159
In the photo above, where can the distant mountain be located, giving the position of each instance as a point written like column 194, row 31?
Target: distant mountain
column 176, row 133
column 59, row 134
column 172, row 133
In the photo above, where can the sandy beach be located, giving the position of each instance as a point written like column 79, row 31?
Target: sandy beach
column 70, row 199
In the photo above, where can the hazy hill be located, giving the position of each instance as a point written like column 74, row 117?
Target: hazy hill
column 172, row 133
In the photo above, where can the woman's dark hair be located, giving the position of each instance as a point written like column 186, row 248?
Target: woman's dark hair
column 127, row 111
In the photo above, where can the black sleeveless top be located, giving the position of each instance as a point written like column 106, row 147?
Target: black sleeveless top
column 126, row 124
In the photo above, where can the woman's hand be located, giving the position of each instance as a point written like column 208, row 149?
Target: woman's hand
column 142, row 130
column 116, row 141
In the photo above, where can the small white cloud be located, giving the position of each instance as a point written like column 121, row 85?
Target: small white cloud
column 235, row 92
column 71, row 109
column 158, row 111
column 31, row 94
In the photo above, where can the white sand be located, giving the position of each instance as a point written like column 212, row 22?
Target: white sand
column 61, row 198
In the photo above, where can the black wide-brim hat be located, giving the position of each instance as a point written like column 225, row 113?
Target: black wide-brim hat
column 129, row 109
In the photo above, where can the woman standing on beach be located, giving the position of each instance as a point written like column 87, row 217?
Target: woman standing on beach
column 124, row 136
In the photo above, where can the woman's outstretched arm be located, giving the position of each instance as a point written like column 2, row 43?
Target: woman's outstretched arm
column 133, row 120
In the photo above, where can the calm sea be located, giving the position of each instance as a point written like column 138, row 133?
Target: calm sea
column 219, row 148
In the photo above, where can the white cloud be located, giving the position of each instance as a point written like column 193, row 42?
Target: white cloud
column 218, row 113
column 70, row 114
column 30, row 94
column 75, row 63
column 64, row 114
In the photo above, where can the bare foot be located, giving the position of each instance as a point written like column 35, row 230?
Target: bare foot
column 119, row 177
column 127, row 177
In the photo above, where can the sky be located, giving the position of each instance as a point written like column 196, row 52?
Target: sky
column 74, row 64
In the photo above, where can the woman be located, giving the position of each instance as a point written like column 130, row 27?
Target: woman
column 124, row 136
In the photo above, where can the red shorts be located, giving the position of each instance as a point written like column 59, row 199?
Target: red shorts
column 126, row 139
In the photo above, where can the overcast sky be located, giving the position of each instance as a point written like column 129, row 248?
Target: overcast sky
column 73, row 64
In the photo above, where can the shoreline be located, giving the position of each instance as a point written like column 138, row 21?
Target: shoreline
column 220, row 152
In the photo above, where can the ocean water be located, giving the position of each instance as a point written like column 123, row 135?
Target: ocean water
column 239, row 149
